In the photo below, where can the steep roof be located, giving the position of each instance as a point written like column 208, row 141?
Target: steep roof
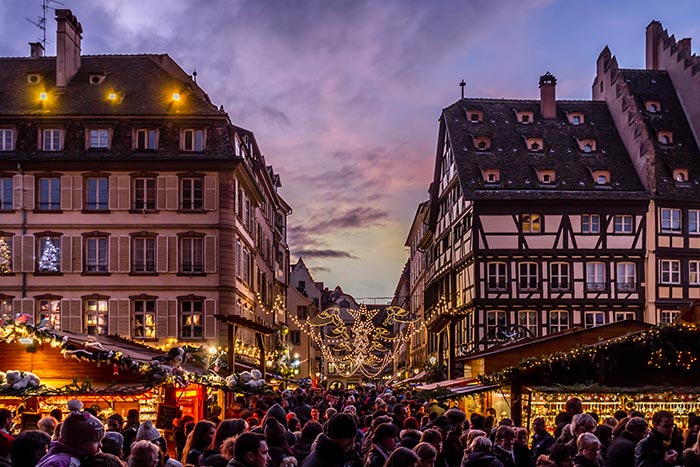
column 518, row 166
column 144, row 85
column 683, row 152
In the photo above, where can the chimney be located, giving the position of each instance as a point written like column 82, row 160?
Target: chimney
column 548, row 104
column 36, row 49
column 68, row 35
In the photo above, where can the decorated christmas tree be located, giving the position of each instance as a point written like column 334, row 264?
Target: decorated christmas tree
column 49, row 257
column 5, row 257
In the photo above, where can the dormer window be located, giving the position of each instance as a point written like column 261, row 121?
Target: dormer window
column 546, row 177
column 96, row 79
column 475, row 116
column 652, row 106
column 680, row 175
column 601, row 177
column 534, row 144
column 525, row 117
column 587, row 145
column 665, row 137
column 575, row 118
column 492, row 175
column 34, row 78
column 482, row 143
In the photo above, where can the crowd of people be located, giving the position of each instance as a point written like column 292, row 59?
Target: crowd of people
column 355, row 428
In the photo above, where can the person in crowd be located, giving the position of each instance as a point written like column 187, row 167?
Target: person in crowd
column 560, row 456
column 113, row 443
column 29, row 447
column 47, row 425
column 332, row 448
column 6, row 439
column 143, row 453
column 181, row 433
column 57, row 414
column 302, row 448
column 655, row 449
column 302, row 409
column 434, row 438
column 115, row 422
column 691, row 433
column 366, row 443
column 215, row 415
column 691, row 455
column 620, row 452
column 103, row 459
column 521, row 452
column 81, row 434
column 250, row 451
column 227, row 429
column 383, row 444
column 480, row 454
column 399, row 413
column 452, row 446
column 573, row 406
column 409, row 437
column 503, row 445
column 275, row 435
column 426, row 454
column 129, row 431
column 402, row 457
column 149, row 433
column 541, row 439
column 588, row 451
column 198, row 442
column 580, row 423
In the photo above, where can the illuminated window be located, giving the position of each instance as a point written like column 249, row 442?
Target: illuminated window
column 144, row 254
column 99, row 138
column 7, row 316
column 97, row 194
column 51, row 139
column 193, row 140
column 191, row 313
column 590, row 223
column 7, row 139
column 50, row 314
column 49, row 260
column 6, row 254
column 96, row 254
column 6, row 193
column 670, row 271
column 145, row 319
column 96, row 321
column 531, row 223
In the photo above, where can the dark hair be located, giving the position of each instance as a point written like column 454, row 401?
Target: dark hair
column 660, row 415
column 619, row 415
column 226, row 429
column 559, row 453
column 5, row 415
column 401, row 457
column 431, row 435
column 102, row 459
column 425, row 451
column 28, row 447
column 117, row 417
column 245, row 443
column 57, row 414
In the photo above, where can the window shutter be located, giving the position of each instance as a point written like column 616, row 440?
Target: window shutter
column 27, row 253
column 71, row 316
column 160, row 193
column 28, row 308
column 28, row 192
column 124, row 319
column 113, row 253
column 162, row 253
column 113, row 192
column 210, row 193
column 17, row 253
column 171, row 192
column 78, row 254
column 77, row 192
column 210, row 254
column 172, row 254
column 209, row 319
column 124, row 265
column 113, row 316
column 66, row 253
column 161, row 319
column 16, row 306
column 66, row 192
column 17, row 189
column 172, row 318
column 124, row 192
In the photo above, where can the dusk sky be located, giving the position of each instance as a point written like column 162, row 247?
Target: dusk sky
column 344, row 96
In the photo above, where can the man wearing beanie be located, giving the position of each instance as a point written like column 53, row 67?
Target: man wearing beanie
column 81, row 435
column 333, row 447
column 383, row 444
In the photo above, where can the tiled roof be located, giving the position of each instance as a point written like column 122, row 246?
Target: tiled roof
column 146, row 83
column 683, row 153
column 561, row 153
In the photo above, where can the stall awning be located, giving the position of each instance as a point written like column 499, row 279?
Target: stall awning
column 471, row 389
column 447, row 384
column 413, row 379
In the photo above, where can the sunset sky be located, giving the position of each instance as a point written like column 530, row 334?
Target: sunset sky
column 344, row 96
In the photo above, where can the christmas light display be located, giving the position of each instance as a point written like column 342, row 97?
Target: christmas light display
column 5, row 257
column 49, row 260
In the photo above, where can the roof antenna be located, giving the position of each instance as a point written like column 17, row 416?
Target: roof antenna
column 41, row 20
column 194, row 75
column 461, row 85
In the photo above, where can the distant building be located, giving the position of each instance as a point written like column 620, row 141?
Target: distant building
column 549, row 214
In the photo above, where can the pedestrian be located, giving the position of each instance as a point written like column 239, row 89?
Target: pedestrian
column 47, row 425
column 6, row 439
column 503, row 446
column 620, row 453
column 280, row 452
column 409, row 436
column 129, row 431
column 383, row 444
column 115, row 422
column 481, row 454
column 309, row 433
column 426, row 454
column 181, row 433
column 541, row 440
column 434, row 438
column 691, row 455
column 143, row 453
column 402, row 457
column 215, row 415
column 333, row 449
column 149, row 433
column 103, row 459
column 656, row 448
column 81, row 434
column 588, row 451
column 198, row 442
column 29, row 447
column 560, row 456
column 521, row 452
column 227, row 429
column 250, row 451
column 113, row 443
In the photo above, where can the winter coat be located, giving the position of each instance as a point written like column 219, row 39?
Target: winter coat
column 690, row 459
column 541, row 444
column 62, row 455
column 650, row 451
column 328, row 454
column 409, row 438
column 481, row 459
column 620, row 453
column 506, row 457
column 376, row 457
column 583, row 461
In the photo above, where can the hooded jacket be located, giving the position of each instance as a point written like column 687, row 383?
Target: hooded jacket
column 327, row 454
column 62, row 455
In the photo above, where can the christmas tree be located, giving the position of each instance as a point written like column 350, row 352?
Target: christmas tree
column 49, row 257
column 5, row 257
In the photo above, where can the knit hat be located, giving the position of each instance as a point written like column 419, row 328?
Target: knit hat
column 384, row 431
column 80, row 428
column 148, row 432
column 113, row 443
column 74, row 405
column 342, row 425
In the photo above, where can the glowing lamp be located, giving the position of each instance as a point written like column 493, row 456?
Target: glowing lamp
column 43, row 96
column 212, row 350
column 112, row 96
column 176, row 96
column 26, row 340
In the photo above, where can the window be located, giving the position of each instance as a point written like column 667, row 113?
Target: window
column 558, row 320
column 295, row 337
column 192, row 255
column 97, row 194
column 145, row 319
column 144, row 254
column 482, row 143
column 99, row 138
column 626, row 277
column 668, row 316
column 531, row 223
column 693, row 271
column 96, row 254
column 653, row 106
column 96, row 317
column 145, row 140
column 588, row 147
column 191, row 316
column 590, row 223
column 693, row 221
column 7, row 139
column 670, row 271
column 622, row 223
column 546, row 178
column 193, row 140
column 496, row 322
column 576, row 120
column 49, row 194
column 302, row 312
column 496, row 276
column 49, row 254
column 559, row 276
column 528, row 277
column 192, row 193
column 50, row 314
column 670, row 220
column 7, row 316
column 623, row 315
column 5, row 193
column 145, row 193
column 51, row 139
column 6, row 254
column 528, row 320
column 593, row 318
column 595, row 277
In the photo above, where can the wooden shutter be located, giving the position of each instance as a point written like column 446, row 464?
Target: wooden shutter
column 71, row 316
column 210, row 254
column 210, row 192
column 66, row 252
column 124, row 253
column 161, row 319
column 119, row 318
column 172, row 318
column 17, row 253
column 77, row 192
column 209, row 320
column 17, row 197
column 124, row 192
column 28, row 192
column 77, row 258
column 28, row 253
column 113, row 253
column 171, row 192
column 113, row 192
column 160, row 193
column 162, row 253
column 173, row 254
column 66, row 192
column 113, row 315
column 16, row 306
column 28, row 308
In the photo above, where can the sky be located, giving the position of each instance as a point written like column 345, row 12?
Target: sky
column 344, row 96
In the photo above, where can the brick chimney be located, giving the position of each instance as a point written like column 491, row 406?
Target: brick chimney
column 68, row 36
column 36, row 49
column 548, row 103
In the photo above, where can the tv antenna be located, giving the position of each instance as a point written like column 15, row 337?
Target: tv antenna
column 41, row 20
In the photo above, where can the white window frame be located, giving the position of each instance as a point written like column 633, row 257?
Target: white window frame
column 623, row 315
column 194, row 188
column 694, row 272
column 670, row 271
column 96, row 317
column 96, row 255
column 145, row 198
column 590, row 223
column 98, row 138
column 192, row 255
column 671, row 220
column 6, row 190
column 561, row 271
column 7, row 139
column 56, row 241
column 144, row 255
column 668, row 316
column 149, row 136
column 528, row 276
column 593, row 319
column 496, row 276
column 51, row 139
column 626, row 277
column 596, row 277
column 694, row 221
column 192, row 318
column 100, row 192
column 144, row 317
column 499, row 318
column 50, row 309
column 555, row 323
column 53, row 203
column 623, row 223
column 528, row 320
column 196, row 140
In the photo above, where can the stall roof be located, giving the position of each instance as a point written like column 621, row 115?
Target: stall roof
column 245, row 323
